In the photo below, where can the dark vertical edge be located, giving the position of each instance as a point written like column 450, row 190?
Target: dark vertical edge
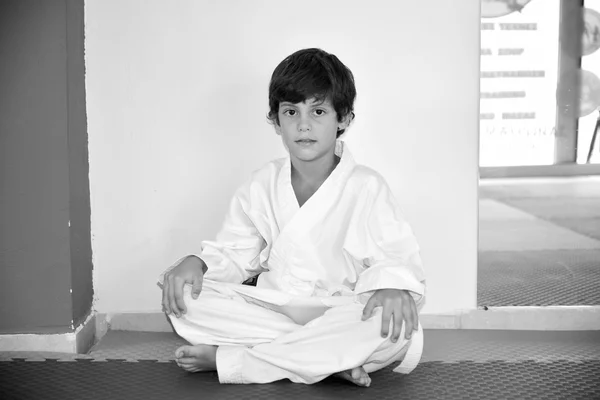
column 79, row 191
column 567, row 95
column 35, row 270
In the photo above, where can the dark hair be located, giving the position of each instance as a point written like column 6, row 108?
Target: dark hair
column 312, row 73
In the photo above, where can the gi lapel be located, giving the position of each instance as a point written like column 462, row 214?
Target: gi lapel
column 298, row 220
column 325, row 197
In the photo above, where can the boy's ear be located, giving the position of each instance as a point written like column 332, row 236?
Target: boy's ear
column 277, row 128
column 346, row 121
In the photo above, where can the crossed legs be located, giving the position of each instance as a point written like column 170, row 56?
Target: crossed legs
column 247, row 343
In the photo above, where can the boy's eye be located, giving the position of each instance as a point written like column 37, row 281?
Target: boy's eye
column 291, row 113
column 319, row 112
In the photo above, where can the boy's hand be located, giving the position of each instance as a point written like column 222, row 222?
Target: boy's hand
column 398, row 303
column 191, row 271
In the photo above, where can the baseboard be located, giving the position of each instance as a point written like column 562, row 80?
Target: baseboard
column 146, row 322
column 78, row 341
column 539, row 171
column 556, row 318
column 553, row 318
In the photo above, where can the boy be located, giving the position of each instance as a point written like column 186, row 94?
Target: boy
column 341, row 280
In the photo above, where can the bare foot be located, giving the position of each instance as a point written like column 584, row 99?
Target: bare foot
column 201, row 357
column 357, row 375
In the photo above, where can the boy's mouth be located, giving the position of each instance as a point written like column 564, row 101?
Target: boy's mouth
column 305, row 142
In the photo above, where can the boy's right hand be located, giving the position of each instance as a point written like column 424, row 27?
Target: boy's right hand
column 191, row 270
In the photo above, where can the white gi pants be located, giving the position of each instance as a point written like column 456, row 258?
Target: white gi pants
column 304, row 342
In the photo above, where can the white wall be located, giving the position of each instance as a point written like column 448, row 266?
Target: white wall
column 177, row 98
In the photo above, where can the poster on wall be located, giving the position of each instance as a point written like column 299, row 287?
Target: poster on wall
column 500, row 8
column 519, row 66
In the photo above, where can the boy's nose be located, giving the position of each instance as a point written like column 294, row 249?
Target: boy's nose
column 303, row 125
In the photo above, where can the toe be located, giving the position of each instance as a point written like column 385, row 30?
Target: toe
column 358, row 376
column 188, row 360
column 184, row 351
column 361, row 377
column 189, row 367
column 365, row 383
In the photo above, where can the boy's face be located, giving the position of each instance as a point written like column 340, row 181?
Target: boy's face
column 309, row 129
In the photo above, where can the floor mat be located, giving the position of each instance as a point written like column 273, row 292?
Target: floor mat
column 456, row 364
column 440, row 345
column 568, row 187
column 538, row 278
column 510, row 346
column 158, row 346
column 586, row 226
column 493, row 210
column 553, row 259
column 581, row 215
column 434, row 380
column 524, row 235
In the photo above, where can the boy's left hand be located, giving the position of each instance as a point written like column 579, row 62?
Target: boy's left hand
column 398, row 303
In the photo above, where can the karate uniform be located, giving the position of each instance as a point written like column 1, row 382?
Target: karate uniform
column 318, row 266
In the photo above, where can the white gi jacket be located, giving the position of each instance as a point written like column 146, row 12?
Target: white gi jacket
column 349, row 238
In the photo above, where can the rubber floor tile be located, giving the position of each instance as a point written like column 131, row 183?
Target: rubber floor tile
column 159, row 346
column 149, row 380
column 492, row 210
column 457, row 345
column 525, row 235
column 588, row 226
column 550, row 208
column 539, row 278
